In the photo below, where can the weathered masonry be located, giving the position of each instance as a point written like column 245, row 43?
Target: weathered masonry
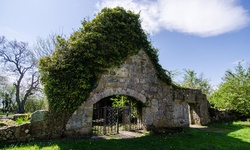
column 163, row 105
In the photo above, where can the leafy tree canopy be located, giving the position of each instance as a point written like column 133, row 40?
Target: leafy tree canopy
column 234, row 92
column 74, row 68
column 191, row 80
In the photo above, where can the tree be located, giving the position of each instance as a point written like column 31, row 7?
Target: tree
column 2, row 81
column 2, row 91
column 18, row 59
column 234, row 91
column 204, row 85
column 191, row 80
column 119, row 101
column 7, row 95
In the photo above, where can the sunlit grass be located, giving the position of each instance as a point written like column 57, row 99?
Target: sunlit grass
column 32, row 147
column 4, row 114
column 243, row 133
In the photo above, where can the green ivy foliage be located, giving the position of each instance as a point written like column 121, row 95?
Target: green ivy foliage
column 73, row 70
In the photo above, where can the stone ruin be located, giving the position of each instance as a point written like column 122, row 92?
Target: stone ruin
column 164, row 106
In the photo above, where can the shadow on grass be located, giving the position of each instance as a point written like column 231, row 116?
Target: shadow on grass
column 190, row 139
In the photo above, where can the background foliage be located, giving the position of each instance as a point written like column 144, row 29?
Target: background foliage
column 234, row 92
column 74, row 68
column 193, row 81
column 36, row 103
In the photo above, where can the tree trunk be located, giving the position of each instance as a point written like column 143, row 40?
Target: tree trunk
column 18, row 98
column 21, row 108
column 20, row 103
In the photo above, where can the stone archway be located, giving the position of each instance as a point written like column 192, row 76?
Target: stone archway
column 95, row 97
column 81, row 120
column 117, row 113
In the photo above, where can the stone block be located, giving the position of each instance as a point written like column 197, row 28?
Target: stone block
column 121, row 80
column 112, row 72
column 170, row 108
column 39, row 115
column 139, row 87
column 153, row 89
column 146, row 87
column 142, row 81
column 154, row 102
column 149, row 119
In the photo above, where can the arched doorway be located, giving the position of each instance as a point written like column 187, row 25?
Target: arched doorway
column 116, row 113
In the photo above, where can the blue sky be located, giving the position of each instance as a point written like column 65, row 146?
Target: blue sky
column 206, row 36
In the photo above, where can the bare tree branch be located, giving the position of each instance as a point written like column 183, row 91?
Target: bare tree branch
column 2, row 39
column 32, row 87
column 46, row 46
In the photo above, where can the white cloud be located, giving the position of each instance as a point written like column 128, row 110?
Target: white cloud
column 198, row 17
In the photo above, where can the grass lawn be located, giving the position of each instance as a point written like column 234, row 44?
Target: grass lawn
column 4, row 114
column 233, row 136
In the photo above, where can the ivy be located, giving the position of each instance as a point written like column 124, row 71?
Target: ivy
column 73, row 70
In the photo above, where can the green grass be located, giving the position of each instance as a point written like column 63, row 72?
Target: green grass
column 4, row 114
column 233, row 136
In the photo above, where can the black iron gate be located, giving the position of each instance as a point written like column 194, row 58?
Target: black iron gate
column 109, row 120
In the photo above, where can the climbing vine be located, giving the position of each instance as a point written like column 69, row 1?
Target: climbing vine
column 73, row 70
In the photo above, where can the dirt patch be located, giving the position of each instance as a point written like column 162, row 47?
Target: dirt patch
column 215, row 130
column 120, row 135
column 206, row 128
